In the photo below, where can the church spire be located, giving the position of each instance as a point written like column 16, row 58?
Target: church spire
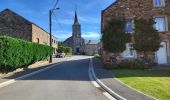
column 76, row 18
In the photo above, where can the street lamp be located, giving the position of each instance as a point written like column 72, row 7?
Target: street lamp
column 50, row 14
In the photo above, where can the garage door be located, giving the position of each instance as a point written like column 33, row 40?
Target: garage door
column 162, row 54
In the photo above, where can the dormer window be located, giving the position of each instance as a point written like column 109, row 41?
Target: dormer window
column 159, row 3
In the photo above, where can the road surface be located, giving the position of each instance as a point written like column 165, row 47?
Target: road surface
column 66, row 81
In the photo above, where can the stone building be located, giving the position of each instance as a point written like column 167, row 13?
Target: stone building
column 76, row 42
column 14, row 25
column 159, row 10
column 91, row 48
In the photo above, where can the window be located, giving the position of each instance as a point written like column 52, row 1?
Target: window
column 129, row 52
column 129, row 26
column 159, row 3
column 38, row 40
column 161, row 24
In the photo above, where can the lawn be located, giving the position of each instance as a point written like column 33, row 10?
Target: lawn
column 155, row 83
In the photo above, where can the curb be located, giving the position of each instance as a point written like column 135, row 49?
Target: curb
column 107, row 89
column 6, row 83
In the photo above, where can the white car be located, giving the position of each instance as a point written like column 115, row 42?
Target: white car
column 60, row 55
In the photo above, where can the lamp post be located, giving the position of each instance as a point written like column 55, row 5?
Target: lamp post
column 50, row 15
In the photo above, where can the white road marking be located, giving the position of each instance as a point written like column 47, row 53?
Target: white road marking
column 6, row 83
column 108, row 95
column 92, row 79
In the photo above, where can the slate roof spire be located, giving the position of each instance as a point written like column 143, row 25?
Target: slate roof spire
column 76, row 18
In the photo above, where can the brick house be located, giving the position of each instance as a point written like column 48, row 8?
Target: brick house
column 159, row 10
column 14, row 25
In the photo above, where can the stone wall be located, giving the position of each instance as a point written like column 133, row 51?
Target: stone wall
column 135, row 8
column 14, row 26
column 91, row 49
column 40, row 36
column 129, row 9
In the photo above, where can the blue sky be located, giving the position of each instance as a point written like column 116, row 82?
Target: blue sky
column 37, row 11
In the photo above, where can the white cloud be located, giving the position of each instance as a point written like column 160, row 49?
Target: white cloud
column 65, row 21
column 91, row 35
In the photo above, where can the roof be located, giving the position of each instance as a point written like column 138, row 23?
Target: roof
column 76, row 22
column 90, row 42
column 110, row 5
column 9, row 10
column 76, row 18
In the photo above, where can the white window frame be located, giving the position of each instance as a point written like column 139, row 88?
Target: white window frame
column 124, row 54
column 133, row 25
column 161, row 5
column 166, row 22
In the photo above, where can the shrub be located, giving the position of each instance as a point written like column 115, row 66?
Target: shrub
column 65, row 49
column 108, row 66
column 97, row 56
column 17, row 53
column 131, row 65
column 68, row 50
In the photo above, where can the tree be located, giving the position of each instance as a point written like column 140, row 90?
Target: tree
column 61, row 48
column 68, row 50
column 146, row 37
column 114, row 37
column 65, row 49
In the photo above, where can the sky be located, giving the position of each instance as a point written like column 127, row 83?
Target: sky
column 37, row 11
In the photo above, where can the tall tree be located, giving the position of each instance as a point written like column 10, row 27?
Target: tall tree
column 146, row 37
column 114, row 37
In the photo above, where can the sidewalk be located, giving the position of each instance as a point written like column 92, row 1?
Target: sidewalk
column 30, row 70
column 107, row 78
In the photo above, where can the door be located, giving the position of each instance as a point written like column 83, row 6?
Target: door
column 162, row 54
column 77, row 50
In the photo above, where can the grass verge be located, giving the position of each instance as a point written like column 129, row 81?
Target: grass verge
column 151, row 82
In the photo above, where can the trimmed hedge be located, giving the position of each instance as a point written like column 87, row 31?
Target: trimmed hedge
column 17, row 53
column 131, row 65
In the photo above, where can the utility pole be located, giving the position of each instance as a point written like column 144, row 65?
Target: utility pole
column 50, row 24
column 50, row 13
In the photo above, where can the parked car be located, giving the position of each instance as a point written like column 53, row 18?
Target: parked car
column 60, row 54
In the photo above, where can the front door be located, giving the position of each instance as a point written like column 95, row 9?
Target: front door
column 77, row 50
column 162, row 54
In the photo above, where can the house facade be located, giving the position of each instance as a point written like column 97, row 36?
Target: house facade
column 14, row 25
column 159, row 10
column 91, row 48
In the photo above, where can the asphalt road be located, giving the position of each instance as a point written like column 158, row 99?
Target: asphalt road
column 67, row 81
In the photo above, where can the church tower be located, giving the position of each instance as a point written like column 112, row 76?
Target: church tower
column 76, row 28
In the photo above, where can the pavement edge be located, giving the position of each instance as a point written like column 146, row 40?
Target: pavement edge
column 107, row 89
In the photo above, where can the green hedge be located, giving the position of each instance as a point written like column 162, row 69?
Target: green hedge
column 131, row 65
column 17, row 53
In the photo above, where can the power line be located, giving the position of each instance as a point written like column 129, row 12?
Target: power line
column 58, row 22
column 56, row 4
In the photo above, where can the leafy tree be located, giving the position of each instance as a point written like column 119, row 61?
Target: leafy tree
column 114, row 37
column 60, row 43
column 146, row 37
column 65, row 49
column 68, row 50
column 61, row 48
